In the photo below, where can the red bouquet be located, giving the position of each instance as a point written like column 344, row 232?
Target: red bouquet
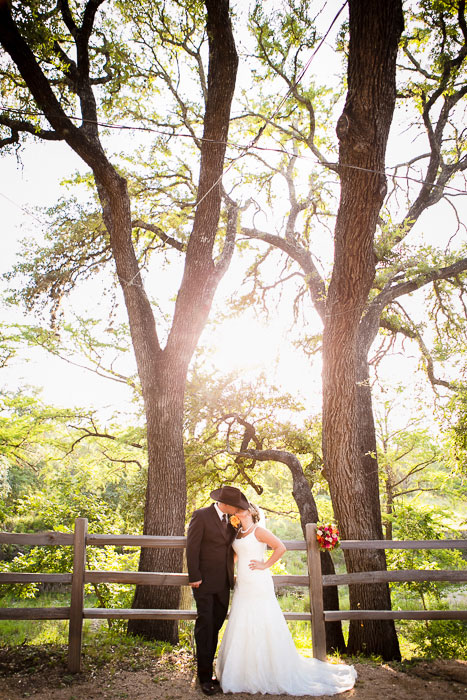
column 327, row 536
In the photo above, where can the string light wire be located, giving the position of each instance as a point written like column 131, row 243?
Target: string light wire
column 251, row 146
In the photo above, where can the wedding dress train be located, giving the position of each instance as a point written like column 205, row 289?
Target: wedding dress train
column 257, row 653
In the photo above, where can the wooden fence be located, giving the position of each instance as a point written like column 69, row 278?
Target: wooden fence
column 314, row 579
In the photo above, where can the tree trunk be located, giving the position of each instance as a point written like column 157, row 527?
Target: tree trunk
column 165, row 389
column 369, row 465
column 165, row 502
column 309, row 514
column 362, row 129
column 389, row 512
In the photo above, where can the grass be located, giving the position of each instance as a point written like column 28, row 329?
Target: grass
column 38, row 632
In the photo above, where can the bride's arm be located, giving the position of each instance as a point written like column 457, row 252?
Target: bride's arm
column 274, row 543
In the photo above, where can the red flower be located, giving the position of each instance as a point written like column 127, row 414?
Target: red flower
column 327, row 536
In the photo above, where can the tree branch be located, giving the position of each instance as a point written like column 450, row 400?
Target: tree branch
column 303, row 257
column 139, row 223
column 17, row 125
column 228, row 249
column 9, row 140
column 390, row 293
column 426, row 354
column 96, row 434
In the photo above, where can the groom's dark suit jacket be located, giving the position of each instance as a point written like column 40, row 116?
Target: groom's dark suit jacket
column 209, row 552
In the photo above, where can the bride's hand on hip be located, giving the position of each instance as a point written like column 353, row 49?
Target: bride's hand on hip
column 256, row 564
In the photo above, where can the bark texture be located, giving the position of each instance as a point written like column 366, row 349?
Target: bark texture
column 362, row 129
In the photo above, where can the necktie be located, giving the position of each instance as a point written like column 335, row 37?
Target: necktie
column 224, row 520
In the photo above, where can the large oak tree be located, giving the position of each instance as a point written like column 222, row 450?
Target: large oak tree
column 371, row 269
column 61, row 58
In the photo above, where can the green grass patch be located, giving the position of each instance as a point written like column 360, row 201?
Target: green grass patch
column 39, row 632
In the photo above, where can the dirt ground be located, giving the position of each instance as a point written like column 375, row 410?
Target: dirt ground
column 43, row 676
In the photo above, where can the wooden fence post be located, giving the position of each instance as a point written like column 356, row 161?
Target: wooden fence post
column 318, row 630
column 77, row 595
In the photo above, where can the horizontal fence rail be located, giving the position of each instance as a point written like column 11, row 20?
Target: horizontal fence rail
column 404, row 544
column 66, row 538
column 314, row 580
column 331, row 615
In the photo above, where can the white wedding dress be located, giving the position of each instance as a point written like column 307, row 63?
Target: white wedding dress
column 257, row 653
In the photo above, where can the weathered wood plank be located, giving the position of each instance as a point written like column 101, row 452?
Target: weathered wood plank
column 403, row 544
column 136, row 541
column 157, row 541
column 137, row 614
column 395, row 615
column 17, row 577
column 66, row 538
column 34, row 613
column 143, row 577
column 290, row 580
column 37, row 538
column 395, row 576
column 77, row 596
column 295, row 545
column 298, row 616
column 165, row 579
column 127, row 613
column 318, row 630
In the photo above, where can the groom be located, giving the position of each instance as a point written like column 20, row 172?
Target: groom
column 211, row 574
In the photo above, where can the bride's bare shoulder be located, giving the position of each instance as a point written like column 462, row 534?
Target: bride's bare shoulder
column 263, row 534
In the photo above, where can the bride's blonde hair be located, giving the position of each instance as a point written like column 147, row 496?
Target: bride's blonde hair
column 255, row 514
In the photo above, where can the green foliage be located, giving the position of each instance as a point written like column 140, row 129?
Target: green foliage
column 65, row 477
column 26, row 426
column 77, row 245
column 456, row 420
column 56, row 509
column 100, row 345
column 429, row 637
column 437, row 639
column 215, row 408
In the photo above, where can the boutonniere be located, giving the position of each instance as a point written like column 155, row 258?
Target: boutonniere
column 235, row 521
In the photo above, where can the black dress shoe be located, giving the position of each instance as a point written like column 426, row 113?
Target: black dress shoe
column 209, row 688
column 215, row 681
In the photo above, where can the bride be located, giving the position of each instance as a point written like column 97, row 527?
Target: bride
column 257, row 653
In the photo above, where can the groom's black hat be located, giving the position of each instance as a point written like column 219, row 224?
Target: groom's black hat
column 231, row 496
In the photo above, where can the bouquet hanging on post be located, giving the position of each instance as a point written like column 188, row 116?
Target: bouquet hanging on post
column 327, row 536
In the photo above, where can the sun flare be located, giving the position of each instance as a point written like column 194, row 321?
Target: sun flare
column 245, row 344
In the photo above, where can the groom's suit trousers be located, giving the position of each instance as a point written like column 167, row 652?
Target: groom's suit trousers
column 210, row 560
column 212, row 611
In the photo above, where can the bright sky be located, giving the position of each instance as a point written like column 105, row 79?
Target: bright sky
column 36, row 182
